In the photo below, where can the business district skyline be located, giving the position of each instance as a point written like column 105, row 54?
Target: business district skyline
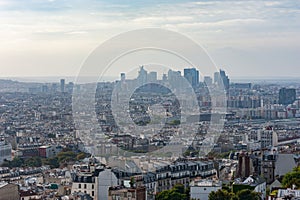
column 235, row 79
column 53, row 38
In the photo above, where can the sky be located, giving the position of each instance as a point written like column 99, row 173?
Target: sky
column 54, row 37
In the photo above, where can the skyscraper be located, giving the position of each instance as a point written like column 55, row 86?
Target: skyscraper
column 192, row 76
column 287, row 96
column 54, row 87
column 142, row 77
column 175, row 78
column 152, row 77
column 216, row 78
column 164, row 78
column 225, row 79
column 62, row 85
column 207, row 80
column 69, row 87
column 123, row 77
column 221, row 78
column 44, row 88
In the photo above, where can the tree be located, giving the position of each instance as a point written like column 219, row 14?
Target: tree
column 177, row 196
column 80, row 156
column 176, row 193
column 170, row 194
column 16, row 162
column 33, row 162
column 132, row 182
column 292, row 178
column 53, row 162
column 247, row 194
column 164, row 195
column 66, row 156
column 226, row 187
column 179, row 188
column 220, row 195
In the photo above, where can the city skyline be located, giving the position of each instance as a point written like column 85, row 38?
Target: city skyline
column 149, row 100
column 53, row 38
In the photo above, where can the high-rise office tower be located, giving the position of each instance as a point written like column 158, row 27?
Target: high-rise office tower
column 69, row 87
column 123, row 77
column 208, row 80
column 44, row 88
column 225, row 79
column 221, row 78
column 54, row 87
column 216, row 78
column 164, row 78
column 142, row 77
column 175, row 79
column 192, row 76
column 287, row 96
column 62, row 85
column 152, row 77
column 123, row 82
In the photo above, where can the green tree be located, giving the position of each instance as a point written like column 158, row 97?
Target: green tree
column 170, row 194
column 16, row 162
column 81, row 156
column 220, row 195
column 292, row 178
column 66, row 156
column 176, row 193
column 52, row 162
column 226, row 187
column 164, row 195
column 33, row 162
column 179, row 188
column 247, row 194
column 132, row 182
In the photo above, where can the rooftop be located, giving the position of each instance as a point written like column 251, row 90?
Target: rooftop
column 206, row 183
column 2, row 184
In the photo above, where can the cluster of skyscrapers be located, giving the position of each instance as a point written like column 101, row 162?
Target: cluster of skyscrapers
column 175, row 78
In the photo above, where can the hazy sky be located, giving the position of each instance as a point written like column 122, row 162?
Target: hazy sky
column 245, row 38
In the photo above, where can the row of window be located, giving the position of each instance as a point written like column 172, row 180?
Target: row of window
column 93, row 192
column 85, row 186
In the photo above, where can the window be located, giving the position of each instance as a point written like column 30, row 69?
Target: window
column 93, row 193
column 93, row 186
column 79, row 185
column 84, row 186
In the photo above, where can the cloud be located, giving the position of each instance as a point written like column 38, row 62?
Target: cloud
column 166, row 19
column 272, row 3
column 5, row 2
column 222, row 23
column 35, row 24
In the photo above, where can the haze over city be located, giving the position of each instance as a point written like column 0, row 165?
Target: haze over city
column 149, row 100
column 53, row 38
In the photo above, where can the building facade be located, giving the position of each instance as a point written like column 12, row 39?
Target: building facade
column 200, row 190
column 9, row 191
column 5, row 151
column 192, row 76
column 287, row 96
